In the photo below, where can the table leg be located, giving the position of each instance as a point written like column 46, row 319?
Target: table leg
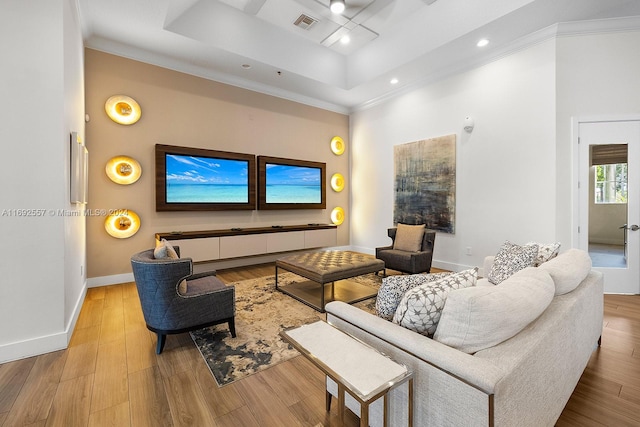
column 410, row 402
column 364, row 415
column 385, row 413
column 276, row 277
column 328, row 396
column 341, row 404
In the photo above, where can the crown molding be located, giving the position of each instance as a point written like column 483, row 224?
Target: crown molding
column 564, row 29
column 169, row 63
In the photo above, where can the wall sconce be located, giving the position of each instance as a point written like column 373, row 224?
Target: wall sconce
column 337, row 145
column 123, row 170
column 337, row 182
column 122, row 224
column 123, row 109
column 337, row 215
column 468, row 124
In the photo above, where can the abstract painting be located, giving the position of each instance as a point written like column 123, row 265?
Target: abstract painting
column 425, row 183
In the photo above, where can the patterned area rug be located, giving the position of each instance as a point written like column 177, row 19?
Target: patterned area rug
column 261, row 313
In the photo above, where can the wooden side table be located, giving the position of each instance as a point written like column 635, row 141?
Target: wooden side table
column 360, row 370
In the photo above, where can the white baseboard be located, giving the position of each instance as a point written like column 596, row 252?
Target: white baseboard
column 44, row 344
column 94, row 282
column 33, row 347
column 71, row 326
column 450, row 266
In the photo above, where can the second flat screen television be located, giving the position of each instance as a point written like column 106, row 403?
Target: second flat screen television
column 291, row 184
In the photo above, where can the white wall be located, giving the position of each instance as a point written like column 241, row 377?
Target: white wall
column 597, row 76
column 505, row 169
column 75, row 273
column 41, row 106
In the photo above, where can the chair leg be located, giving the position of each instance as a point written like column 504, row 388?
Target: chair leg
column 232, row 327
column 162, row 338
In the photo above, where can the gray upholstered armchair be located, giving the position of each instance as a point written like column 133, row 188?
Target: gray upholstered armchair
column 408, row 261
column 174, row 300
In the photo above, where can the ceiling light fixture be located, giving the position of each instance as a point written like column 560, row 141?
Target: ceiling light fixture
column 393, row 81
column 482, row 43
column 345, row 39
column 336, row 6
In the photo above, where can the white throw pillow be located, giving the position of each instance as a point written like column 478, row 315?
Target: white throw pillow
column 476, row 318
column 568, row 270
column 421, row 306
column 394, row 287
column 510, row 259
column 408, row 237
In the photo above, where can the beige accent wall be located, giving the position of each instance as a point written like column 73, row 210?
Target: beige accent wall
column 181, row 109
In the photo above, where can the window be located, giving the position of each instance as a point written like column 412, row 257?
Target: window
column 611, row 183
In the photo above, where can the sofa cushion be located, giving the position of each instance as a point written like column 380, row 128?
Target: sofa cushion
column 476, row 318
column 510, row 259
column 421, row 306
column 568, row 270
column 165, row 250
column 546, row 251
column 408, row 237
column 394, row 287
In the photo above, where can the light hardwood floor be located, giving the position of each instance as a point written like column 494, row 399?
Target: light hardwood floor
column 111, row 376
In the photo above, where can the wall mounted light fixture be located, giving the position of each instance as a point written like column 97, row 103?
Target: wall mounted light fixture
column 122, row 224
column 337, row 145
column 337, row 215
column 123, row 170
column 337, row 182
column 123, row 109
column 468, row 124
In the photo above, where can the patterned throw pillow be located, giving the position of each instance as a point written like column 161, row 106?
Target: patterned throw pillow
column 421, row 307
column 394, row 287
column 510, row 259
column 408, row 237
column 546, row 251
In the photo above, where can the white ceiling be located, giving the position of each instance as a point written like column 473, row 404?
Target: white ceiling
column 414, row 41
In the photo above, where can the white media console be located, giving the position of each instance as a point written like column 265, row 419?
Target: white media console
column 212, row 245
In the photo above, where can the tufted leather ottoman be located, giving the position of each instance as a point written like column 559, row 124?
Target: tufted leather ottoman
column 328, row 267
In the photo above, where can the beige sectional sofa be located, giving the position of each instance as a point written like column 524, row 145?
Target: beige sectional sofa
column 523, row 381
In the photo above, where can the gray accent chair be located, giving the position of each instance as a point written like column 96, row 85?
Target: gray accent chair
column 170, row 307
column 408, row 262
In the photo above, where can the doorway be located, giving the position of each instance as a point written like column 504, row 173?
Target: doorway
column 609, row 200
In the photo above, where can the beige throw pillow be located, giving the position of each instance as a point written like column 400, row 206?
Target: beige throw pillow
column 165, row 250
column 409, row 237
column 480, row 317
column 568, row 269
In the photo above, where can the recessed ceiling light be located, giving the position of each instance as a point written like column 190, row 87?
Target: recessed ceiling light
column 336, row 6
column 345, row 39
column 482, row 43
column 393, row 81
column 246, row 66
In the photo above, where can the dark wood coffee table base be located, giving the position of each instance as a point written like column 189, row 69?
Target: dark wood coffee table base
column 308, row 292
column 327, row 272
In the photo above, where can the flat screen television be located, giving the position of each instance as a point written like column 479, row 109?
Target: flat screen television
column 291, row 184
column 201, row 179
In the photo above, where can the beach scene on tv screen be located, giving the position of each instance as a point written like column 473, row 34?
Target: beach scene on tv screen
column 192, row 179
column 292, row 184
